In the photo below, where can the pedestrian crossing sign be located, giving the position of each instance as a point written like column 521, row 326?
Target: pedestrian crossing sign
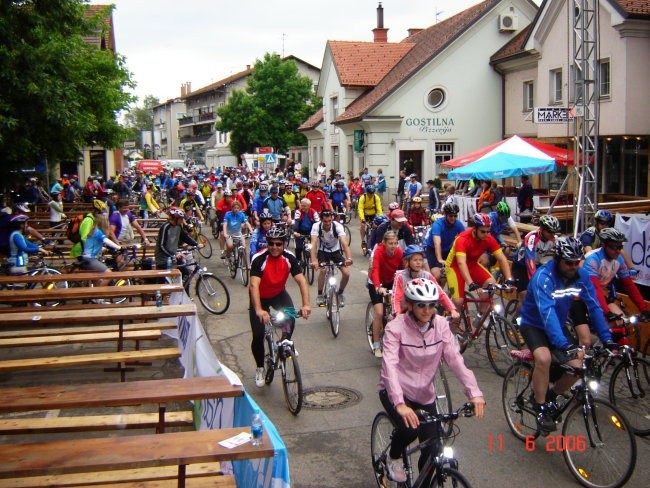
column 271, row 158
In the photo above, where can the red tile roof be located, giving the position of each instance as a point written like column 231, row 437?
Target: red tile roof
column 365, row 63
column 312, row 121
column 514, row 46
column 109, row 35
column 428, row 44
column 220, row 83
column 634, row 8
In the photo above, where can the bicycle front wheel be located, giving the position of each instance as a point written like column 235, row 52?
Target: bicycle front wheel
column 380, row 439
column 461, row 331
column 291, row 381
column 515, row 395
column 498, row 344
column 47, row 286
column 244, row 268
column 348, row 234
column 212, row 293
column 370, row 317
column 450, row 477
column 599, row 445
column 120, row 282
column 232, row 264
column 629, row 388
column 206, row 250
column 334, row 313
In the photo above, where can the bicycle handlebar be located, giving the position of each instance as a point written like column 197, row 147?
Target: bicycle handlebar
column 467, row 410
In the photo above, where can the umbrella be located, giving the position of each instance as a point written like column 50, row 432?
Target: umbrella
column 512, row 157
column 562, row 157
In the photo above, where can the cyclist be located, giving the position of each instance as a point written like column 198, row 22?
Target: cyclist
column 274, row 204
column 258, row 202
column 304, row 220
column 413, row 257
column 606, row 266
column 376, row 222
column 290, row 198
column 537, row 248
column 368, row 206
column 328, row 245
column 500, row 219
column 169, row 236
column 94, row 243
column 414, row 344
column 551, row 294
column 190, row 205
column 339, row 199
column 591, row 238
column 258, row 238
column 396, row 223
column 148, row 205
column 270, row 270
column 463, row 268
column 232, row 226
column 86, row 226
column 417, row 214
column 123, row 222
column 386, row 259
column 440, row 237
column 19, row 247
column 412, row 189
column 317, row 197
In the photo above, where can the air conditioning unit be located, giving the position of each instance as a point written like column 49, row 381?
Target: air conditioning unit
column 507, row 23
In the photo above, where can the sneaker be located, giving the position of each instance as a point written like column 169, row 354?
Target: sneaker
column 396, row 470
column 320, row 300
column 341, row 299
column 259, row 377
column 223, row 255
column 545, row 420
column 377, row 352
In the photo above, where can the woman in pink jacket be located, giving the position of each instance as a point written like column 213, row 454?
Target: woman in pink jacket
column 414, row 344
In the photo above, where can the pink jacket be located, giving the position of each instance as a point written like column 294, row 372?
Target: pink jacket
column 411, row 359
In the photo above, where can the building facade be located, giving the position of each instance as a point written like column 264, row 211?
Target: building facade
column 166, row 137
column 417, row 103
column 537, row 69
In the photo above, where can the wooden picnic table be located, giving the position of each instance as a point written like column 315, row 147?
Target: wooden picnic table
column 127, row 452
column 173, row 274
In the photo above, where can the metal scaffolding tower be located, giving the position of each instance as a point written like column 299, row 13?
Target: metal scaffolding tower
column 586, row 110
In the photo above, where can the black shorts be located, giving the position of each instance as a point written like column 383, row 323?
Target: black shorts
column 520, row 274
column 330, row 257
column 536, row 337
column 375, row 297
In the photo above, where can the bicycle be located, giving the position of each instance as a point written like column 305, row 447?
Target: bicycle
column 501, row 336
column 331, row 296
column 281, row 354
column 305, row 259
column 597, row 441
column 237, row 260
column 211, row 291
column 419, row 232
column 343, row 218
column 441, row 468
column 370, row 315
column 194, row 229
column 39, row 267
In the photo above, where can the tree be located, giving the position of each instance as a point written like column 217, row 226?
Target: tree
column 276, row 101
column 140, row 118
column 57, row 92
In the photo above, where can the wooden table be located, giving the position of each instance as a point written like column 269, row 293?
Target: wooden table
column 128, row 452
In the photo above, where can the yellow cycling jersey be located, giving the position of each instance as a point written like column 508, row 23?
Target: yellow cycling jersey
column 290, row 200
column 369, row 207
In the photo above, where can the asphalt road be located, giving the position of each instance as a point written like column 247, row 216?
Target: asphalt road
column 330, row 447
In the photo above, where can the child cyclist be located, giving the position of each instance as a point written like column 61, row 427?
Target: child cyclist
column 417, row 215
column 413, row 259
column 258, row 238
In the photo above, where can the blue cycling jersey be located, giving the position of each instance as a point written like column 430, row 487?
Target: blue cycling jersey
column 497, row 226
column 447, row 234
column 275, row 206
column 549, row 300
column 338, row 197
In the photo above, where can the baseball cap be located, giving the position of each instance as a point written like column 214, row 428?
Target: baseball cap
column 398, row 215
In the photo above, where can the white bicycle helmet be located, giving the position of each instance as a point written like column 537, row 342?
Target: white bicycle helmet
column 421, row 290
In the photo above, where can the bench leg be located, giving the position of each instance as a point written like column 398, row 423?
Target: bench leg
column 121, row 367
column 181, row 476
column 161, row 418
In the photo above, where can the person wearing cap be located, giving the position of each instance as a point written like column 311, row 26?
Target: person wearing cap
column 171, row 234
column 274, row 204
column 339, row 199
column 123, row 222
column 19, row 247
column 148, row 205
column 56, row 208
column 87, row 224
column 57, row 186
column 290, row 197
column 368, row 207
column 190, row 205
column 396, row 223
column 317, row 197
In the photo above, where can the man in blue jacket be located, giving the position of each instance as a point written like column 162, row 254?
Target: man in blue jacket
column 553, row 292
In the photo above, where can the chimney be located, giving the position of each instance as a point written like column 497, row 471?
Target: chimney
column 414, row 30
column 248, row 66
column 380, row 33
column 183, row 90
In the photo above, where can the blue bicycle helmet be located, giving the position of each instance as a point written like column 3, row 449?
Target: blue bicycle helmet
column 370, row 188
column 379, row 219
column 411, row 250
column 603, row 216
column 481, row 220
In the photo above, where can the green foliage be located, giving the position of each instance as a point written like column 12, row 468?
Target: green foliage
column 57, row 91
column 276, row 101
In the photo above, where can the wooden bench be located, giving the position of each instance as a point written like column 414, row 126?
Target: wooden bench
column 173, row 274
column 82, row 293
column 128, row 452
column 78, row 330
column 59, row 339
column 109, row 395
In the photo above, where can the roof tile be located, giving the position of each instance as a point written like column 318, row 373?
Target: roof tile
column 312, row 121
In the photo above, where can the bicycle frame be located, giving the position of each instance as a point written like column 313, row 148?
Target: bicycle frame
column 475, row 330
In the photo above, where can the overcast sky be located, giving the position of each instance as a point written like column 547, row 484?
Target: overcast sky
column 169, row 42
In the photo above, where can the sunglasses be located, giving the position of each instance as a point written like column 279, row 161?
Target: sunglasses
column 571, row 263
column 615, row 247
column 428, row 305
column 275, row 244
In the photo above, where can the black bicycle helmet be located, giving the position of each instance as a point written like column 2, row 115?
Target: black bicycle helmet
column 265, row 216
column 569, row 248
column 450, row 208
column 549, row 223
column 612, row 234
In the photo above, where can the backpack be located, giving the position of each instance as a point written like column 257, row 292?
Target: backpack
column 73, row 227
column 320, row 230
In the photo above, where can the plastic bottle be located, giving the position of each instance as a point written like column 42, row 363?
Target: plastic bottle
column 169, row 263
column 159, row 300
column 256, row 428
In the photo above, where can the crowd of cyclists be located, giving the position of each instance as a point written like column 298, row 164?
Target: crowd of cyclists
column 556, row 277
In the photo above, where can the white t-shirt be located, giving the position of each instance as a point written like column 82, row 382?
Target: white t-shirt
column 328, row 241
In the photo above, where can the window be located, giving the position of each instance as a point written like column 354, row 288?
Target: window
column 529, row 96
column 555, row 86
column 444, row 152
column 604, row 80
column 334, row 102
column 335, row 157
column 436, row 99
